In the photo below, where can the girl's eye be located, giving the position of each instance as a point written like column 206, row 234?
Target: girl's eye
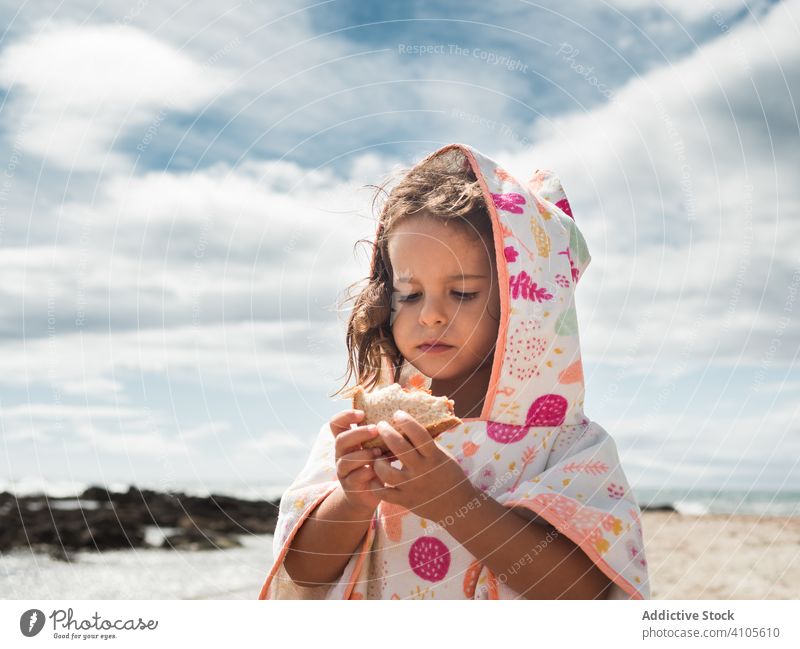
column 458, row 294
column 406, row 298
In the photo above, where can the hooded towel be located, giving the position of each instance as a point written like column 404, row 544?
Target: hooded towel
column 531, row 447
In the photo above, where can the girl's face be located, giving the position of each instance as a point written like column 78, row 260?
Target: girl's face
column 445, row 289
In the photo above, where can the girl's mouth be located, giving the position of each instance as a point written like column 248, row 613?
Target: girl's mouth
column 434, row 349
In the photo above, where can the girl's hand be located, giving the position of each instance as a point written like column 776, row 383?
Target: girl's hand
column 354, row 464
column 431, row 483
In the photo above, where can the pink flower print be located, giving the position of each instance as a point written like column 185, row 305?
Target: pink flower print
column 505, row 433
column 615, row 491
column 574, row 271
column 547, row 410
column 429, row 558
column 524, row 349
column 564, row 206
column 637, row 524
column 592, row 468
column 527, row 457
column 503, row 175
column 561, row 280
column 556, row 509
column 511, row 254
column 521, row 285
column 486, row 479
column 612, row 524
column 509, row 202
column 635, row 554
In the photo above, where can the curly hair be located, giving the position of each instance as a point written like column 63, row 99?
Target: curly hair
column 444, row 188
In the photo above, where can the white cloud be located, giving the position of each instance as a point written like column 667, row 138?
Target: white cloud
column 276, row 238
column 194, row 248
column 281, row 352
column 137, row 444
column 709, row 254
column 65, row 412
column 50, row 425
column 723, row 445
column 96, row 388
column 264, row 232
column 75, row 89
column 207, row 429
column 269, row 442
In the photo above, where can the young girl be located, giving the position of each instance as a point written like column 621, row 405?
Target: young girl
column 471, row 296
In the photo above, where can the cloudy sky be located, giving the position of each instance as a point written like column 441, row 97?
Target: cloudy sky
column 183, row 186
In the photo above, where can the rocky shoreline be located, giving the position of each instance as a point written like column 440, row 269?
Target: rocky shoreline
column 98, row 520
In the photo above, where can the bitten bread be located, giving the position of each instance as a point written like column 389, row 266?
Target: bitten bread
column 436, row 414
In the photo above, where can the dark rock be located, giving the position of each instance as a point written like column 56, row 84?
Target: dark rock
column 99, row 494
column 658, row 508
column 196, row 539
column 119, row 520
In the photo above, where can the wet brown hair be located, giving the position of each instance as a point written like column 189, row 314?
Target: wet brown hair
column 444, row 188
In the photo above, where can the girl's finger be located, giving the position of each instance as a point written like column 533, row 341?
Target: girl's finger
column 352, row 461
column 342, row 421
column 387, row 473
column 351, row 440
column 382, row 492
column 398, row 445
column 360, row 480
column 361, row 477
column 415, row 432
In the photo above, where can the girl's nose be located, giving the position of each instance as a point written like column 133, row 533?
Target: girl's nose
column 432, row 312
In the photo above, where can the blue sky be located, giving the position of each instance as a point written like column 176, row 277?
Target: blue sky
column 183, row 186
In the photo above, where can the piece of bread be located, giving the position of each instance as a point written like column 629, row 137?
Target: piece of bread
column 436, row 414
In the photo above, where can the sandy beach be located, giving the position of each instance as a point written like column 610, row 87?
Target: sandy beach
column 691, row 557
column 716, row 556
column 722, row 557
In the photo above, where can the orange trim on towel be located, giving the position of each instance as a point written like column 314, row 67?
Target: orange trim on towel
column 503, row 282
column 575, row 537
column 285, row 548
column 491, row 582
column 360, row 562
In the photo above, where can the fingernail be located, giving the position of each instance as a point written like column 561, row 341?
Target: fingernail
column 373, row 429
column 401, row 415
column 358, row 414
